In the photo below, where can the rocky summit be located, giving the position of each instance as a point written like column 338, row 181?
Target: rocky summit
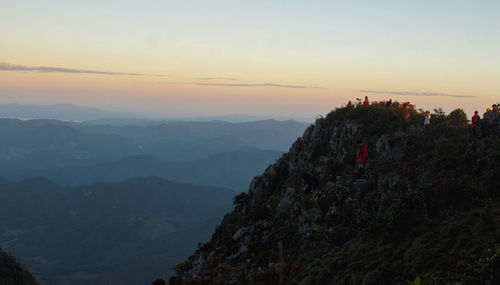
column 424, row 210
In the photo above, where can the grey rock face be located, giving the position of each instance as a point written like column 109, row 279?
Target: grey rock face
column 197, row 266
column 286, row 203
column 383, row 148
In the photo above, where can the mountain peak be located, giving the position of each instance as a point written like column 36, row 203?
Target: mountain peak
column 316, row 217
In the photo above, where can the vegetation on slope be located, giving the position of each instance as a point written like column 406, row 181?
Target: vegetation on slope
column 11, row 273
column 426, row 211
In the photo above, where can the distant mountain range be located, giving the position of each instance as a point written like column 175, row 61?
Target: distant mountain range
column 42, row 144
column 213, row 153
column 76, row 228
column 71, row 112
column 106, row 233
column 233, row 170
column 67, row 112
column 266, row 134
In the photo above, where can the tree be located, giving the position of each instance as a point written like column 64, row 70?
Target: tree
column 457, row 118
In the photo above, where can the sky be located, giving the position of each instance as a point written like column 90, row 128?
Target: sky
column 263, row 57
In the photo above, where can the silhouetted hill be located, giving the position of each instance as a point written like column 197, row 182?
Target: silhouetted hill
column 185, row 151
column 11, row 273
column 267, row 134
column 42, row 144
column 106, row 233
column 233, row 170
column 425, row 211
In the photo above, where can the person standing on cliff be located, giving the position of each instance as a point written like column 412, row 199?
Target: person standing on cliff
column 427, row 121
column 361, row 158
column 487, row 122
column 366, row 102
column 474, row 121
column 495, row 113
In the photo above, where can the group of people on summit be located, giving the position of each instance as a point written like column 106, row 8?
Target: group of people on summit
column 490, row 117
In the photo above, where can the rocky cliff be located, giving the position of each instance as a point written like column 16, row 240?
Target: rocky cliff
column 11, row 273
column 426, row 209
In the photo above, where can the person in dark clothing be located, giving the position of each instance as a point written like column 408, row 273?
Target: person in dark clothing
column 487, row 122
column 388, row 103
column 366, row 102
column 361, row 158
column 495, row 113
column 487, row 111
column 474, row 122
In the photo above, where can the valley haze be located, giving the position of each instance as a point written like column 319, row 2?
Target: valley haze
column 122, row 190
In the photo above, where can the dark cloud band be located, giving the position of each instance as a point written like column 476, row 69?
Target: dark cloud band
column 240, row 84
column 415, row 93
column 254, row 85
column 50, row 69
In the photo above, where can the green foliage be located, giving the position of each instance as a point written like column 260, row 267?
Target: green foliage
column 417, row 281
column 240, row 200
column 457, row 118
column 439, row 115
column 378, row 258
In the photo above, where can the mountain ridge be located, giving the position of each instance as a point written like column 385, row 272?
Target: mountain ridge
column 64, row 111
column 233, row 169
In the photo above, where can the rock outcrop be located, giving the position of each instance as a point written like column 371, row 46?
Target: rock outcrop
column 426, row 208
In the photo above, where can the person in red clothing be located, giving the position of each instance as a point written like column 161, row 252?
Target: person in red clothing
column 474, row 121
column 361, row 158
column 366, row 101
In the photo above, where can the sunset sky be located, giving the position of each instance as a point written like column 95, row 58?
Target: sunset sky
column 288, row 58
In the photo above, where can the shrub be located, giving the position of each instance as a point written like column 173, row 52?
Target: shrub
column 457, row 118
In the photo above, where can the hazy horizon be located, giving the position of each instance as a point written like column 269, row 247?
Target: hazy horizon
column 41, row 110
column 232, row 115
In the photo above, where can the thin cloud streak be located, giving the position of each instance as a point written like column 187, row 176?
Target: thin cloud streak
column 254, row 85
column 243, row 85
column 50, row 69
column 416, row 93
